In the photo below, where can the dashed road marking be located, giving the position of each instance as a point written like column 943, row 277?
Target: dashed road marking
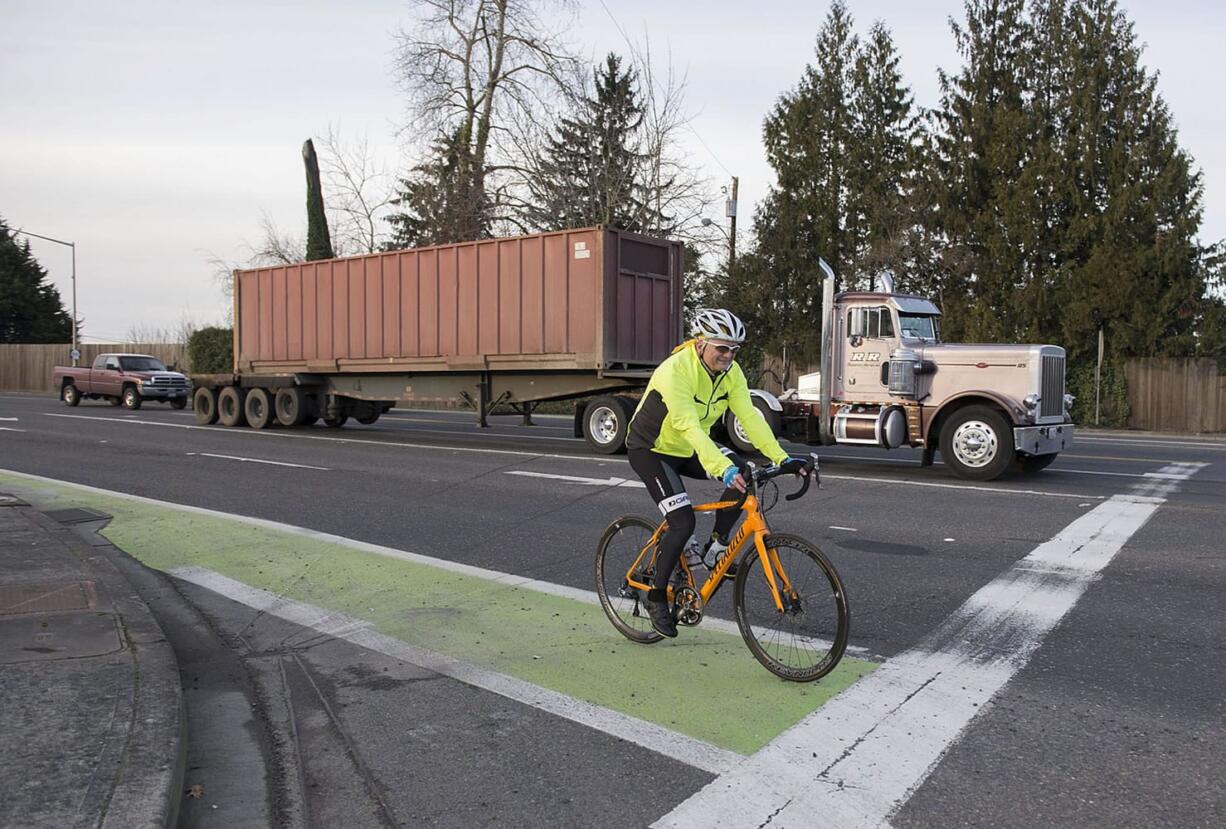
column 257, row 460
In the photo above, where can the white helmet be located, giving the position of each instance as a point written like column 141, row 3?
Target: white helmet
column 718, row 324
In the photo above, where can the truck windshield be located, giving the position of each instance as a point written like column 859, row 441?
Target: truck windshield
column 141, row 364
column 919, row 327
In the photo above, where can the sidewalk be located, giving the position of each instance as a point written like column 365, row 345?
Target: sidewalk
column 89, row 687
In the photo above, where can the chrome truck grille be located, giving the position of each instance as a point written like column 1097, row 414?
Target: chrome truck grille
column 1051, row 403
column 162, row 381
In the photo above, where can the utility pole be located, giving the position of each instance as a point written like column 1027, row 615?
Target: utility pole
column 76, row 355
column 730, row 211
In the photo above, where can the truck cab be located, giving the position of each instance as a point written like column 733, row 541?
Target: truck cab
column 889, row 381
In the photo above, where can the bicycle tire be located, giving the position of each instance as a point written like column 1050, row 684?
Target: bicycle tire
column 814, row 632
column 618, row 548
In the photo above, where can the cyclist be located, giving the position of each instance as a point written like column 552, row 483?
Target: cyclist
column 669, row 437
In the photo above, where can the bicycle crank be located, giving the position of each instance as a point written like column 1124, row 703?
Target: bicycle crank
column 687, row 607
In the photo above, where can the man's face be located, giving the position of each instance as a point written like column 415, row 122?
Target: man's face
column 717, row 355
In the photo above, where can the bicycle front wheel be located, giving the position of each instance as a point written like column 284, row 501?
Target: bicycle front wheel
column 807, row 639
column 617, row 552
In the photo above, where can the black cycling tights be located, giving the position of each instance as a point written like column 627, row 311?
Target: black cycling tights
column 662, row 474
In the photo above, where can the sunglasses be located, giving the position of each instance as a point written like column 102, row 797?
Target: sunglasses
column 726, row 349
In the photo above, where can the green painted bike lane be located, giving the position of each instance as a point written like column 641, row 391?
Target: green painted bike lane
column 704, row 684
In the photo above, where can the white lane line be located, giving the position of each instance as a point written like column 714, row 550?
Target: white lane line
column 857, row 759
column 1218, row 445
column 677, row 746
column 265, row 433
column 845, row 529
column 258, row 460
column 10, row 428
column 575, row 479
column 10, row 419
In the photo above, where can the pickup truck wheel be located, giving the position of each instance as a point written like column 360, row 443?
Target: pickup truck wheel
column 230, row 406
column 258, row 408
column 178, row 403
column 204, row 403
column 736, row 434
column 977, row 443
column 131, row 398
column 606, row 421
column 114, row 401
column 291, row 406
column 1030, row 464
column 71, row 396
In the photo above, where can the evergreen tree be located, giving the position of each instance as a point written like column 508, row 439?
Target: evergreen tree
column 980, row 205
column 592, row 170
column 319, row 241
column 31, row 310
column 439, row 202
column 1133, row 201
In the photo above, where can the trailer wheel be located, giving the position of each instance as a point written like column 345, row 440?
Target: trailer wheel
column 71, row 396
column 131, row 398
column 336, row 422
column 736, row 433
column 178, row 403
column 290, row 404
column 204, row 403
column 977, row 443
column 258, row 408
column 366, row 413
column 230, row 406
column 606, row 421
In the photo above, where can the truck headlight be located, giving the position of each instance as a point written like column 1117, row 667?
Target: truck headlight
column 1031, row 401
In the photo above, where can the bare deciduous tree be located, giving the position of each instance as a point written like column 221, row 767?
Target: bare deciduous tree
column 358, row 191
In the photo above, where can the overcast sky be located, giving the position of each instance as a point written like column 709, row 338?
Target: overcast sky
column 155, row 134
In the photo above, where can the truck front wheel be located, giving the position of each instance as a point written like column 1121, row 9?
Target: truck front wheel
column 131, row 398
column 71, row 396
column 977, row 443
column 736, row 433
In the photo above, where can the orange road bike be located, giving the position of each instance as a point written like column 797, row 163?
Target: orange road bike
column 789, row 603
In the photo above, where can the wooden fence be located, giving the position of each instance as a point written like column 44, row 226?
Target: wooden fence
column 29, row 367
column 1176, row 395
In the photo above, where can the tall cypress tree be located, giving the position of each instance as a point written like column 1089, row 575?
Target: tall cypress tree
column 319, row 241
column 31, row 310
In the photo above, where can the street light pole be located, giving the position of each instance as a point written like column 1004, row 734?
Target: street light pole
column 730, row 209
column 75, row 354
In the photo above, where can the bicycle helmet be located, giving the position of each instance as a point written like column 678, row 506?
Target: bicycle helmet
column 718, row 324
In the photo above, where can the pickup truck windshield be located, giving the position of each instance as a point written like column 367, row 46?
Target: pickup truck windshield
column 141, row 364
column 919, row 327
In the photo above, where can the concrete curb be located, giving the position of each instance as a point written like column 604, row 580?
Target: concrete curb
column 147, row 785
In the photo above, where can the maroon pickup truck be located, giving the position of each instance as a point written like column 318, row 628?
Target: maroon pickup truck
column 129, row 379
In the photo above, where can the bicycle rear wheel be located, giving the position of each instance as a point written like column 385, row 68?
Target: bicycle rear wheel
column 618, row 548
column 807, row 639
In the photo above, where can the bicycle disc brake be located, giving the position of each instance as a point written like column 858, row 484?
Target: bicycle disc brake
column 687, row 607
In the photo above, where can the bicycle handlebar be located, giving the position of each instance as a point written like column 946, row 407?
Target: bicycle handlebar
column 758, row 477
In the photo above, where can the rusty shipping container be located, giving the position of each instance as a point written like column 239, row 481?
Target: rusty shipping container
column 590, row 300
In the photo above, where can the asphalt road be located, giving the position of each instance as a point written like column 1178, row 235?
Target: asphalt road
column 1111, row 715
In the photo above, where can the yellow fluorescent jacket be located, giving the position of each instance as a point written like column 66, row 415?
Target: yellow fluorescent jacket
column 683, row 401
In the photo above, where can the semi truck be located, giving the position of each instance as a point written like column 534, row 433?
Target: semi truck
column 511, row 322
column 586, row 315
column 887, row 380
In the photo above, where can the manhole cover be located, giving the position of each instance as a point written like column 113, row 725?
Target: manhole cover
column 76, row 515
column 16, row 599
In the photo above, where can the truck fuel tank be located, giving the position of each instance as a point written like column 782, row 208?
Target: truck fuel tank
column 885, row 427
